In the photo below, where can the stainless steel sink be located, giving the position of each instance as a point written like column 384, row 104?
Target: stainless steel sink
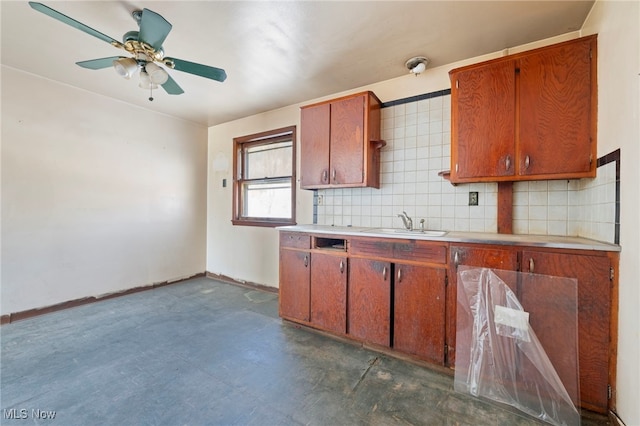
column 416, row 232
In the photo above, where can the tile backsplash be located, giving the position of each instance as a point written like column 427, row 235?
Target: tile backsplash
column 418, row 136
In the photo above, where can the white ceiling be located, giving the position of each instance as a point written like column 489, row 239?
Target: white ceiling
column 275, row 53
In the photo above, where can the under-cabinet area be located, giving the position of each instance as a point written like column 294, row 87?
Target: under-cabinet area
column 398, row 293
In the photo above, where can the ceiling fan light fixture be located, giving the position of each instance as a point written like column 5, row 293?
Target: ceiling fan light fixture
column 417, row 64
column 156, row 73
column 146, row 82
column 125, row 67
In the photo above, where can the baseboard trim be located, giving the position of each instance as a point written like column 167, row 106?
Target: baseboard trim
column 242, row 283
column 17, row 316
column 615, row 420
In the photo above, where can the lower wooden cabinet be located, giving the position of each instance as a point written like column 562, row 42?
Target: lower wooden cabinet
column 329, row 292
column 550, row 312
column 593, row 273
column 294, row 284
column 501, row 258
column 369, row 302
column 419, row 311
column 394, row 293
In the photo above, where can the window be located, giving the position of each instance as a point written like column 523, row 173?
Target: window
column 264, row 178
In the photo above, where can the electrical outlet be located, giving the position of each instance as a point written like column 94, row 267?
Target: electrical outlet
column 320, row 199
column 473, row 198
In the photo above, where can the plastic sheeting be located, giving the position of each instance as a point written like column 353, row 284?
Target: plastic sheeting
column 499, row 356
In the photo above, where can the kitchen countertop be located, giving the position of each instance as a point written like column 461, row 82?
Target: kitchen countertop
column 549, row 241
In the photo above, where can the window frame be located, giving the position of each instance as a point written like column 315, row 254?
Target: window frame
column 240, row 144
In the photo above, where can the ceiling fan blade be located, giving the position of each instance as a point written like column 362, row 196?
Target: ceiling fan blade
column 171, row 87
column 153, row 29
column 70, row 21
column 98, row 64
column 198, row 69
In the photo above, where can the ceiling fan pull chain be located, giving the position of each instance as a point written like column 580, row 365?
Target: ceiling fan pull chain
column 150, row 92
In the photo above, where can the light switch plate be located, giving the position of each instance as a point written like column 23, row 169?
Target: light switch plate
column 473, row 198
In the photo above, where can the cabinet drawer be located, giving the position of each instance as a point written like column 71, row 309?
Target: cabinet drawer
column 295, row 240
column 401, row 249
column 423, row 251
column 371, row 247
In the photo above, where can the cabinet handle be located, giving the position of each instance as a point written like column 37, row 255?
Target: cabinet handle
column 526, row 162
column 507, row 162
column 531, row 265
column 333, row 175
column 306, row 261
column 325, row 175
column 456, row 259
column 399, row 275
column 342, row 266
column 384, row 273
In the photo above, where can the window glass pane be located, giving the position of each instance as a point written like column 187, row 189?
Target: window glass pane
column 270, row 199
column 268, row 160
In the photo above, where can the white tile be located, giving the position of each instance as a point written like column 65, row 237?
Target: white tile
column 476, row 225
column 557, row 213
column 521, row 213
column 435, row 127
column 557, row 227
column 538, row 227
column 520, row 198
column 462, row 212
column 538, row 185
column 558, row 185
column 538, row 213
column 520, row 226
column 558, row 198
column 537, row 198
column 423, row 105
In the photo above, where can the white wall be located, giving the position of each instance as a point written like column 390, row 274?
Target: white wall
column 244, row 253
column 617, row 26
column 251, row 253
column 97, row 196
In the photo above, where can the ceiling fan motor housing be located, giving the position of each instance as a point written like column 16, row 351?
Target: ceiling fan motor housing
column 130, row 36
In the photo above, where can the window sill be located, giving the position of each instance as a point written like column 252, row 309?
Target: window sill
column 263, row 223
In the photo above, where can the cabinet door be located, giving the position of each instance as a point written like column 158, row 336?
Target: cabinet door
column 314, row 145
column 498, row 258
column 419, row 311
column 483, row 121
column 594, row 309
column 294, row 284
column 347, row 141
column 555, row 111
column 369, row 301
column 329, row 292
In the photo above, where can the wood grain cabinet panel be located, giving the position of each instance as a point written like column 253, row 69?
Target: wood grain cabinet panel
column 419, row 311
column 340, row 143
column 498, row 258
column 295, row 279
column 555, row 111
column 528, row 116
column 369, row 301
column 329, row 292
column 315, row 134
column 594, row 313
column 483, row 121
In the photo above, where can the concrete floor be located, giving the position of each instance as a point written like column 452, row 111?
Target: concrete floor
column 204, row 352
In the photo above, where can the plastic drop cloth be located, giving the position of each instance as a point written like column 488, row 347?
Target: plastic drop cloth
column 498, row 355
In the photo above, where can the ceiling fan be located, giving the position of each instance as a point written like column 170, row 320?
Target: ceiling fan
column 146, row 47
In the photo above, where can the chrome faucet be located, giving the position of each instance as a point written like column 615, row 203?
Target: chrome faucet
column 408, row 223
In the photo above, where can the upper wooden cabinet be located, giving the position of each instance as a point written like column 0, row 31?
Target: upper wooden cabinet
column 529, row 116
column 340, row 143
